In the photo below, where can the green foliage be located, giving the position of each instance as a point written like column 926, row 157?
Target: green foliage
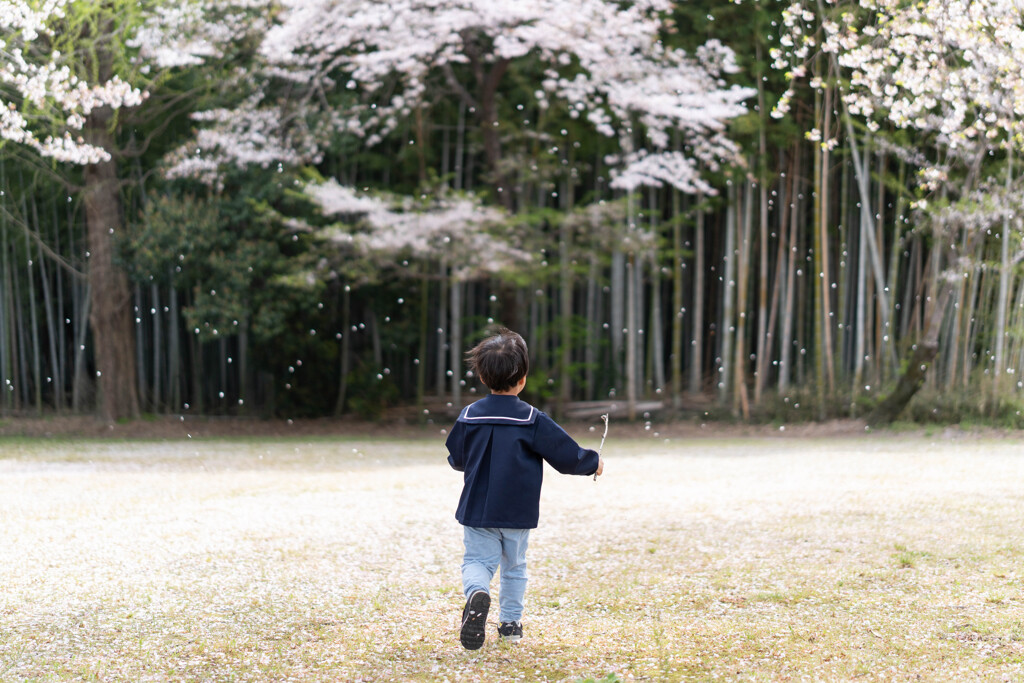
column 548, row 386
column 232, row 257
column 610, row 678
column 371, row 392
column 967, row 408
column 540, row 387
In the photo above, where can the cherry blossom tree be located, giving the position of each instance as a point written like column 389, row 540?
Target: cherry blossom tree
column 73, row 73
column 61, row 108
column 367, row 70
column 951, row 72
column 602, row 61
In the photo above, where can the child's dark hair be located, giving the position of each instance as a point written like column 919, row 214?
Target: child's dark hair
column 500, row 360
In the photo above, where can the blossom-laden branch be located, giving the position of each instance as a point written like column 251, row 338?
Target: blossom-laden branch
column 190, row 32
column 249, row 134
column 950, row 68
column 34, row 81
column 461, row 229
column 602, row 61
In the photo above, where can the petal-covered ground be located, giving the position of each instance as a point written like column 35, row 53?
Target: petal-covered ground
column 869, row 558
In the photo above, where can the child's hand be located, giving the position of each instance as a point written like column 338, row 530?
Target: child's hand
column 600, row 467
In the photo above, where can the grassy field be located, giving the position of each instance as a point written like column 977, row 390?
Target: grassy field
column 876, row 558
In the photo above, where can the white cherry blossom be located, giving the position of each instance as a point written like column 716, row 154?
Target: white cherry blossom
column 603, row 60
column 39, row 78
column 460, row 228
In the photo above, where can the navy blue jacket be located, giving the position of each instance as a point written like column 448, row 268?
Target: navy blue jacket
column 500, row 443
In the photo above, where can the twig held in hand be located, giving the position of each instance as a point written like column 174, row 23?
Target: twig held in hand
column 601, row 447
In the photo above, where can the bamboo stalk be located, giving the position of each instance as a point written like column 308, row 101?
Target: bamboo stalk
column 697, row 302
column 726, row 327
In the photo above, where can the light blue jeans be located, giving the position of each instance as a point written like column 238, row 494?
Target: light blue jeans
column 486, row 549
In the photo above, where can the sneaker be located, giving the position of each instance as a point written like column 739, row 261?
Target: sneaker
column 510, row 631
column 474, row 618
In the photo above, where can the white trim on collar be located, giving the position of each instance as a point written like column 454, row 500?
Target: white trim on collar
column 465, row 416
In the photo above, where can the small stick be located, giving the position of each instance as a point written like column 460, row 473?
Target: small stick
column 601, row 447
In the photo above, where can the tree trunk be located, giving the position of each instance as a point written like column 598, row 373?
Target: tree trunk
column 60, row 378
column 173, row 353
column 726, row 327
column 789, row 298
column 455, row 341
column 52, row 325
column 111, row 305
column 440, row 377
column 593, row 328
column 632, row 321
column 887, row 334
column 676, row 350
column 763, row 343
column 696, row 379
column 81, row 387
column 823, row 269
column 741, row 403
column 343, row 351
column 37, row 370
column 1004, row 286
column 860, row 316
column 617, row 314
column 913, row 377
column 565, row 292
column 142, row 342
column 246, row 385
column 6, row 321
column 421, row 356
column 156, row 315
column 655, row 333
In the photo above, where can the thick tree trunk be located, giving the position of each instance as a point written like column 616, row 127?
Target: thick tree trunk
column 110, row 314
column 913, row 376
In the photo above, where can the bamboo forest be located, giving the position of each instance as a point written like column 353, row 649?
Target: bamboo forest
column 743, row 209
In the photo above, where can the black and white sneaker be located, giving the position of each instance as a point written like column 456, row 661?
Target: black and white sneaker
column 510, row 631
column 474, row 618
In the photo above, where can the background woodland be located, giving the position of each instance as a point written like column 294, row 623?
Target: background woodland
column 750, row 209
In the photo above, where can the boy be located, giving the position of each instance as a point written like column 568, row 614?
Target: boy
column 500, row 443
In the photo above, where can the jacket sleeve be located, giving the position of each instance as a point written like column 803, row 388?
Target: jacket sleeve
column 455, row 441
column 560, row 450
